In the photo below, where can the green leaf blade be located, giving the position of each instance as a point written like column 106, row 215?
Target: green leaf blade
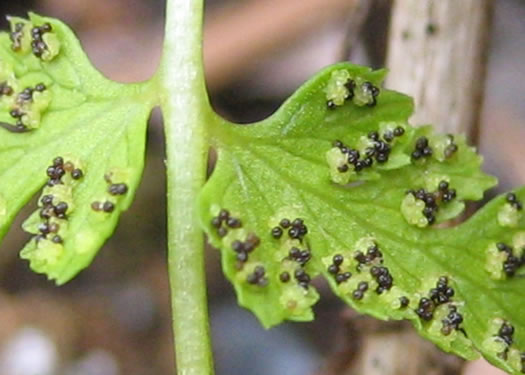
column 96, row 126
column 286, row 167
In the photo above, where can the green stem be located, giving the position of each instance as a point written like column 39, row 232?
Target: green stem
column 186, row 111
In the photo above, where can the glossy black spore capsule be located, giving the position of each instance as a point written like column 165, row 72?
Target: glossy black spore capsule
column 38, row 45
column 96, row 206
column 222, row 232
column 118, row 189
column 108, row 207
column 233, row 222
column 337, row 259
column 425, row 309
column 452, row 321
column 215, row 222
column 513, row 200
column 342, row 277
column 257, row 277
column 373, row 90
column 47, row 200
column 57, row 239
column 77, row 174
column 506, row 332
column 277, row 232
column 422, row 148
column 284, row 277
column 399, row 131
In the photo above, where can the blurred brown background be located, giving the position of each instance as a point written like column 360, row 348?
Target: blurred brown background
column 114, row 318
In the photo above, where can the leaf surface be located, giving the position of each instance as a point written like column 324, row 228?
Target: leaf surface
column 372, row 232
column 54, row 104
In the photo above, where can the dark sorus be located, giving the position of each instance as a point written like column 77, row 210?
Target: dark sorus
column 300, row 229
column 284, row 223
column 59, row 168
column 47, row 212
column 399, row 131
column 451, row 148
column 343, row 168
column 432, row 199
column 46, row 200
column 425, row 309
column 26, row 95
column 506, row 333
column 444, row 192
column 224, row 221
column 334, row 269
column 403, row 301
column 44, row 228
column 362, row 286
column 5, row 89
column 337, row 143
column 284, row 276
column 38, row 46
column 338, row 259
column 330, row 104
column 96, row 206
column 373, row 91
column 257, row 277
column 358, row 294
column 17, row 114
column 16, row 36
column 302, row 277
column 422, row 148
column 350, row 86
column 380, row 148
column 118, row 189
column 40, row 87
column 295, row 229
column 504, row 247
column 511, row 265
column 300, row 256
column 216, row 222
column 106, row 206
column 372, row 254
column 442, row 293
column 277, row 232
column 513, row 200
column 373, row 135
column 251, row 242
column 378, row 151
column 48, row 229
column 449, row 195
column 233, row 222
column 342, row 277
column 57, row 239
column 388, row 136
column 244, row 248
column 77, row 174
column 383, row 278
column 53, row 227
column 353, row 157
column 513, row 262
column 452, row 321
column 61, row 209
column 224, row 214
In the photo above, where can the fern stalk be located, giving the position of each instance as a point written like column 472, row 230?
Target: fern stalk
column 186, row 110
